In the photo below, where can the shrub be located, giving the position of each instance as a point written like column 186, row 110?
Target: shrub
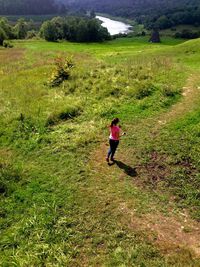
column 169, row 91
column 7, row 44
column 62, row 71
column 144, row 89
column 187, row 34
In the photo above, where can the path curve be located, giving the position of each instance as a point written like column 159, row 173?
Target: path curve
column 174, row 231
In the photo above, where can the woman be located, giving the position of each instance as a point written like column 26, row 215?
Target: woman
column 113, row 139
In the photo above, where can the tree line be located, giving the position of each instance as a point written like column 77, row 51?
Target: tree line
column 170, row 18
column 18, row 31
column 76, row 29
column 152, row 13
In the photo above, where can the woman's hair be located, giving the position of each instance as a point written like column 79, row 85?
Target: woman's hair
column 114, row 122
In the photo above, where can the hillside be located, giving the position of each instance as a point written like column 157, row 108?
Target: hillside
column 61, row 204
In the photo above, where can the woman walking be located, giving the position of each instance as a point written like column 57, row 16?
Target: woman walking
column 113, row 139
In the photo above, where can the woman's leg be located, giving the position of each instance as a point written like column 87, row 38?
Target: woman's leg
column 109, row 150
column 115, row 144
column 109, row 153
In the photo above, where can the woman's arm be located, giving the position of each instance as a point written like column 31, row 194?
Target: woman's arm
column 122, row 134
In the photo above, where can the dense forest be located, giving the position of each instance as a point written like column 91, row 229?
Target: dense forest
column 30, row 7
column 152, row 13
column 160, row 13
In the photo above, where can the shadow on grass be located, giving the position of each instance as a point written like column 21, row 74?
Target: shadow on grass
column 127, row 169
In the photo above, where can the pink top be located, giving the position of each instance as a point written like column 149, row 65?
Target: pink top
column 114, row 132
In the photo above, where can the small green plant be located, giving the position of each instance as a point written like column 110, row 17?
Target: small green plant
column 62, row 71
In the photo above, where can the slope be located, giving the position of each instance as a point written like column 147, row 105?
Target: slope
column 61, row 204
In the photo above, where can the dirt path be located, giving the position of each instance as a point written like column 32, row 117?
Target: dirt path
column 171, row 232
column 176, row 230
column 190, row 94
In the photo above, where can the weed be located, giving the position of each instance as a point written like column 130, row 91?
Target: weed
column 62, row 71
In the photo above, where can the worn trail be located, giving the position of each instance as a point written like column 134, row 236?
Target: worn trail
column 169, row 231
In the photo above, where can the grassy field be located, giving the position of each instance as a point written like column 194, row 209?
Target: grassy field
column 61, row 204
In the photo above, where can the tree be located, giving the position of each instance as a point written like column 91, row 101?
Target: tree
column 163, row 22
column 2, row 36
column 21, row 29
column 92, row 14
column 6, row 28
column 155, row 36
column 94, row 32
column 48, row 31
column 58, row 23
column 82, row 32
column 74, row 29
column 104, row 34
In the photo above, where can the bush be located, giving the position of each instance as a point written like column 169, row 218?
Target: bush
column 177, row 35
column 7, row 44
column 62, row 71
column 144, row 89
column 173, row 29
column 187, row 34
column 169, row 91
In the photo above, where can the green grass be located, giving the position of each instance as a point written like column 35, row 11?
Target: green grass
column 57, row 207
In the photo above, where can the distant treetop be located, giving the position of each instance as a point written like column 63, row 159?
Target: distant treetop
column 30, row 7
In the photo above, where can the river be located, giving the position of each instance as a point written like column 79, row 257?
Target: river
column 114, row 26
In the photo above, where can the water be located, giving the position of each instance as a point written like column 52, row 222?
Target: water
column 113, row 26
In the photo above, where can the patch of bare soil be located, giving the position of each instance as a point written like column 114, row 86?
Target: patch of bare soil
column 11, row 54
column 169, row 233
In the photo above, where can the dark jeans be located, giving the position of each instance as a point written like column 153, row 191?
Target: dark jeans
column 113, row 147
